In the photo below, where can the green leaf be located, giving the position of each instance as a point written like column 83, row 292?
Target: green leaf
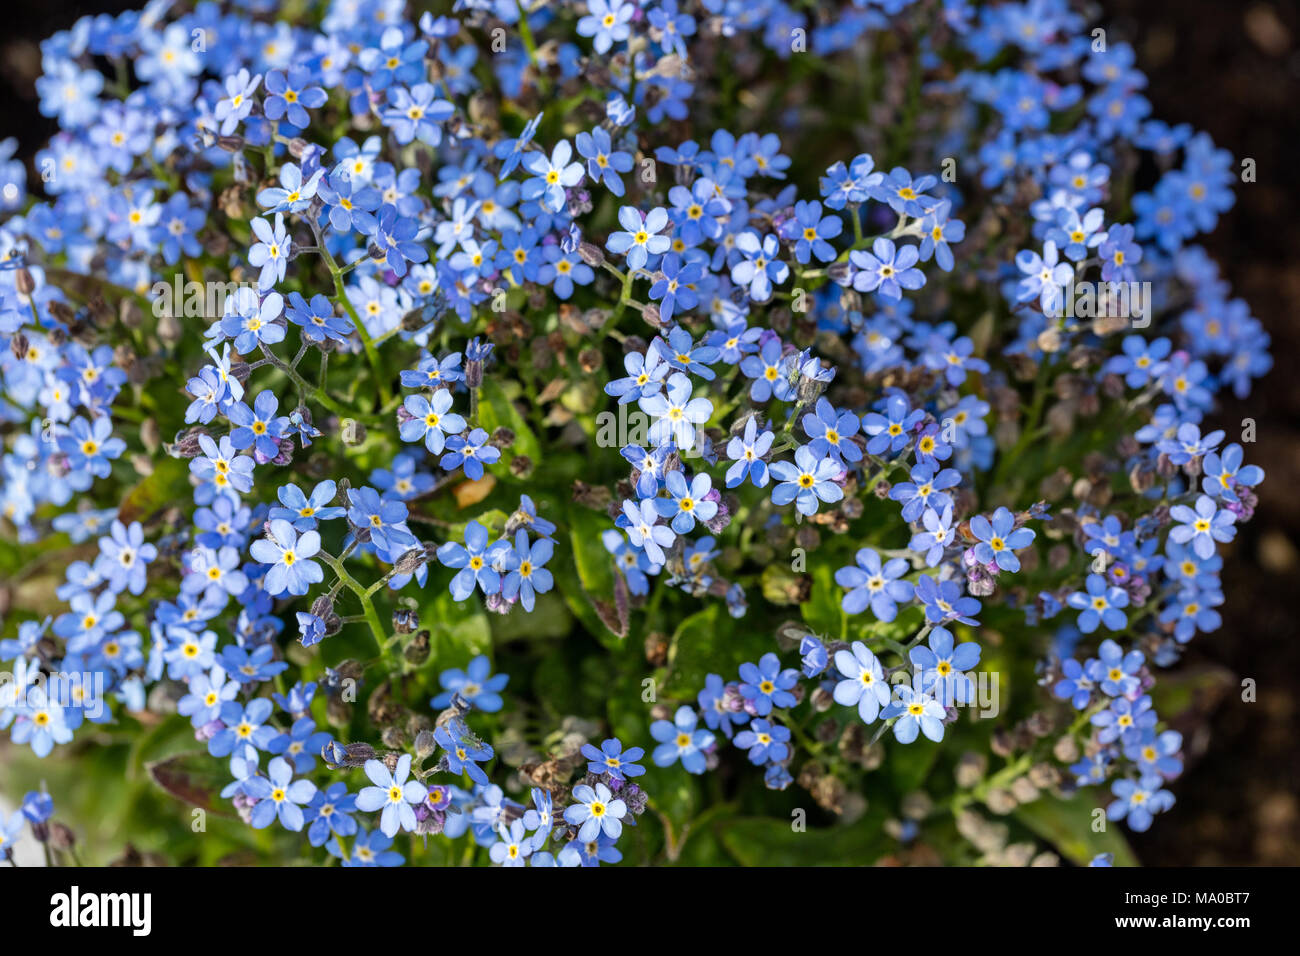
column 497, row 410
column 457, row 632
column 708, row 642
column 168, row 484
column 821, row 612
column 586, row 576
column 762, row 841
column 1067, row 825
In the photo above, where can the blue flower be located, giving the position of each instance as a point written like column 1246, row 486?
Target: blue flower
column 251, row 320
column 476, row 684
column 474, row 560
column 1124, row 720
column 613, row 760
column 430, row 420
column 891, row 431
column 832, row 432
column 317, row 319
column 393, row 793
column 1045, row 277
column 931, row 447
column 90, row 446
column 271, row 254
column 303, row 511
column 330, row 812
column 765, row 685
column 294, row 194
column 597, row 811
column 290, row 95
column 943, row 601
column 874, row 584
column 1116, row 672
column 810, row 479
column 289, row 555
column 676, row 413
column 528, row 578
column 674, row 289
column 645, row 375
column 747, row 451
column 279, row 797
column 864, row 685
column 813, row 655
column 10, row 829
column 258, row 428
column 760, row 268
column 721, row 705
column 604, row 163
column 1225, row 473
column 470, row 452
column 368, row 849
column 954, row 359
column 1075, row 685
column 512, row 150
column 766, row 742
column 904, row 194
column 937, row 230
column 416, row 113
column 999, row 539
column 942, row 666
column 301, row 744
column 640, row 237
column 680, row 739
column 886, row 269
column 238, row 101
column 915, row 712
column 124, row 557
column 1099, row 604
column 383, row 518
column 251, row 668
column 644, row 531
column 551, row 177
column 37, row 807
column 809, row 230
column 243, row 727
column 687, row 502
column 769, row 371
column 1193, row 610
column 926, row 491
column 311, row 629
column 606, row 22
column 1138, row 801
column 1157, row 753
column 463, row 750
column 1203, row 526
column 513, row 848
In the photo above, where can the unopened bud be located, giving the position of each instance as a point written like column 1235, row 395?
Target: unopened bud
column 410, row 562
column 417, row 651
column 405, row 620
column 591, row 254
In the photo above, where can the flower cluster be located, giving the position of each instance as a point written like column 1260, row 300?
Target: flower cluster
column 431, row 256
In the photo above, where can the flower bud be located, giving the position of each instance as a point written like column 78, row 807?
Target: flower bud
column 410, row 562
column 425, row 745
column 591, row 254
column 417, row 650
column 405, row 619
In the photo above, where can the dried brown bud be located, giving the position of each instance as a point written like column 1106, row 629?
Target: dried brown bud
column 417, row 651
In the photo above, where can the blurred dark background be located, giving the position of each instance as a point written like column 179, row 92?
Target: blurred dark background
column 1232, row 69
